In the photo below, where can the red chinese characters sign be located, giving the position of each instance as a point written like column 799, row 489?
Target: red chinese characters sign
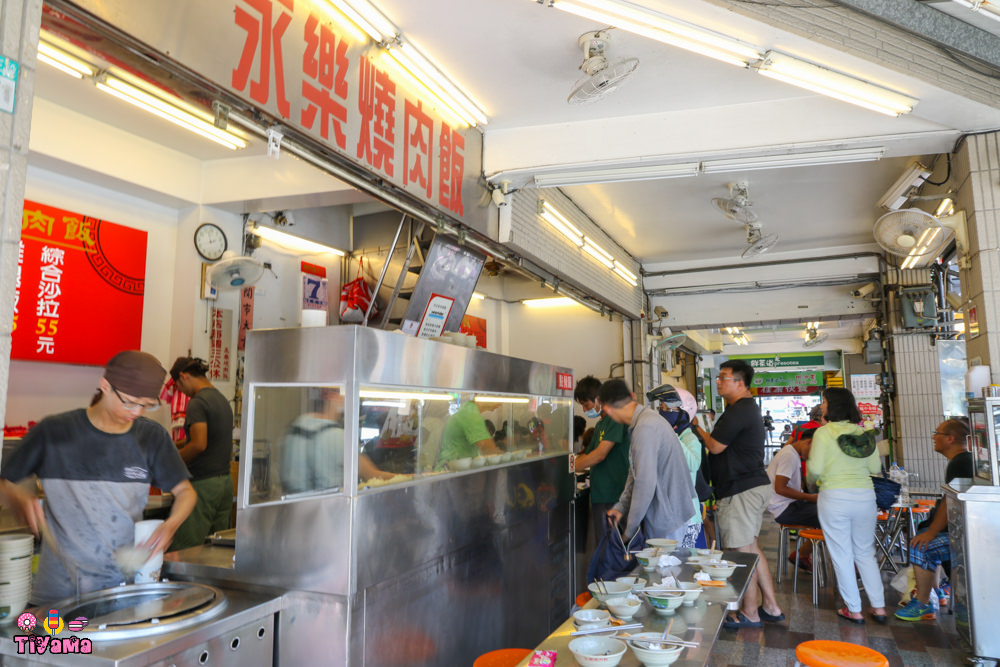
column 306, row 67
column 79, row 289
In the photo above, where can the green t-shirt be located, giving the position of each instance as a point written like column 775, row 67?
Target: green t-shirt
column 461, row 433
column 607, row 478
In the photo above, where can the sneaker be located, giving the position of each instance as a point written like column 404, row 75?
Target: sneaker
column 916, row 611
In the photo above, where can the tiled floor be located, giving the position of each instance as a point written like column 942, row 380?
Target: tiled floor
column 923, row 644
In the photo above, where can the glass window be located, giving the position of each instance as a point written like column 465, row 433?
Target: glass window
column 298, row 442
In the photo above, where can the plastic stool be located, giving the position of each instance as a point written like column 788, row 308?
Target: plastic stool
column 783, row 546
column 827, row 653
column 926, row 502
column 814, row 535
column 504, row 657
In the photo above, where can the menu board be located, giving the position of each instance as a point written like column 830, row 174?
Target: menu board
column 79, row 288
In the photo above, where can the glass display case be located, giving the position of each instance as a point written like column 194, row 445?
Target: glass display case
column 984, row 418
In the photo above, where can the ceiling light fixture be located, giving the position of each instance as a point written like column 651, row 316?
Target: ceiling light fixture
column 293, row 242
column 626, row 275
column 843, row 156
column 167, row 111
column 501, row 399
column 563, row 226
column 417, row 67
column 477, row 296
column 403, row 395
column 598, row 253
column 946, row 207
column 62, row 61
column 550, row 302
column 825, row 81
column 663, row 28
column 913, row 176
column 983, row 7
column 617, row 175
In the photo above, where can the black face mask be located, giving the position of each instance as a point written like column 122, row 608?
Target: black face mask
column 677, row 418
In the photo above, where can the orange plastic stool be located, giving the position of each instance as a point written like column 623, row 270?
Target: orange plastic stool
column 926, row 502
column 583, row 598
column 827, row 653
column 814, row 535
column 505, row 657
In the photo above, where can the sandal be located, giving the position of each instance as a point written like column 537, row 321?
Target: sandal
column 770, row 618
column 741, row 622
column 845, row 614
column 881, row 619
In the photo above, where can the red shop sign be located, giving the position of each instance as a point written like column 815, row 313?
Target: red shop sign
column 79, row 290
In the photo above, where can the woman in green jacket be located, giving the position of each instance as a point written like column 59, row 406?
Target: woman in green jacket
column 842, row 460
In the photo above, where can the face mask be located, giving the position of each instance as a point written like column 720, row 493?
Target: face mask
column 671, row 416
column 592, row 413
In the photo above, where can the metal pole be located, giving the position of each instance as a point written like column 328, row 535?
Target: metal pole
column 385, row 267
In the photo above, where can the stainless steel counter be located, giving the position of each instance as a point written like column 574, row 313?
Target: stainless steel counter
column 243, row 634
column 700, row 623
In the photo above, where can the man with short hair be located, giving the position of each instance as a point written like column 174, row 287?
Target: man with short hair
column 207, row 449
column 931, row 547
column 658, row 491
column 790, row 504
column 606, row 455
column 742, row 487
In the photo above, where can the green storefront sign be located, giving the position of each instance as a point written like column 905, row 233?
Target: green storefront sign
column 787, row 379
column 769, row 362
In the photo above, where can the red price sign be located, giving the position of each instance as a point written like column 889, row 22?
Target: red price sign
column 77, row 276
column 564, row 381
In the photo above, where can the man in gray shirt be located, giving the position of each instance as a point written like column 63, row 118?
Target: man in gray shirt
column 658, row 490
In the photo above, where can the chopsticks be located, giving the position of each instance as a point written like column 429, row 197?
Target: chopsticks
column 606, row 628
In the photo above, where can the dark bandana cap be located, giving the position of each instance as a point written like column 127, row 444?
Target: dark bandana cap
column 135, row 373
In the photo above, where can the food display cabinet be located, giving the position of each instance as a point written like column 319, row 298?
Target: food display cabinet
column 411, row 498
column 974, row 531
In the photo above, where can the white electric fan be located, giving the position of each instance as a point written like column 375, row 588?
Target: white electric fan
column 235, row 271
column 601, row 78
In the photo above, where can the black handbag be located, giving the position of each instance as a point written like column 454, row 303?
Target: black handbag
column 612, row 558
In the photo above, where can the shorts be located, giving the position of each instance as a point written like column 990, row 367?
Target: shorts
column 938, row 551
column 800, row 513
column 739, row 517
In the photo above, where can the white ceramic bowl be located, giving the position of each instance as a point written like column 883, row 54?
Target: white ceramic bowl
column 613, row 588
column 663, row 543
column 653, row 655
column 691, row 590
column 460, row 464
column 718, row 570
column 713, row 554
column 591, row 618
column 648, row 559
column 507, row 456
column 494, row 459
column 597, row 651
column 479, row 462
column 664, row 603
column 637, row 583
column 11, row 609
column 624, row 608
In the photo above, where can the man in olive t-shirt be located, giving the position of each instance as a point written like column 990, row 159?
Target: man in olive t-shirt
column 606, row 455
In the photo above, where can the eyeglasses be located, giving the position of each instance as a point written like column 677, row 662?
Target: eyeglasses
column 132, row 405
column 723, row 378
column 943, row 435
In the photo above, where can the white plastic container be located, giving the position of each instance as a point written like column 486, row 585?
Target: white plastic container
column 150, row 570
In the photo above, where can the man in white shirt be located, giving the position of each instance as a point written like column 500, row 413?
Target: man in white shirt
column 790, row 504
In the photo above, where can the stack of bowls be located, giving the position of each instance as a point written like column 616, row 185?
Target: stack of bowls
column 16, row 551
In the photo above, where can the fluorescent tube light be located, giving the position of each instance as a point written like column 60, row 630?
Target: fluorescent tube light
column 983, row 7
column 551, row 302
column 477, row 296
column 404, row 395
column 626, row 275
column 617, row 175
column 420, row 71
column 293, row 242
column 501, row 399
column 366, row 17
column 559, row 221
column 824, row 81
column 946, row 207
column 399, row 405
column 168, row 111
column 64, row 62
column 794, row 160
column 896, row 196
column 663, row 28
column 598, row 253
